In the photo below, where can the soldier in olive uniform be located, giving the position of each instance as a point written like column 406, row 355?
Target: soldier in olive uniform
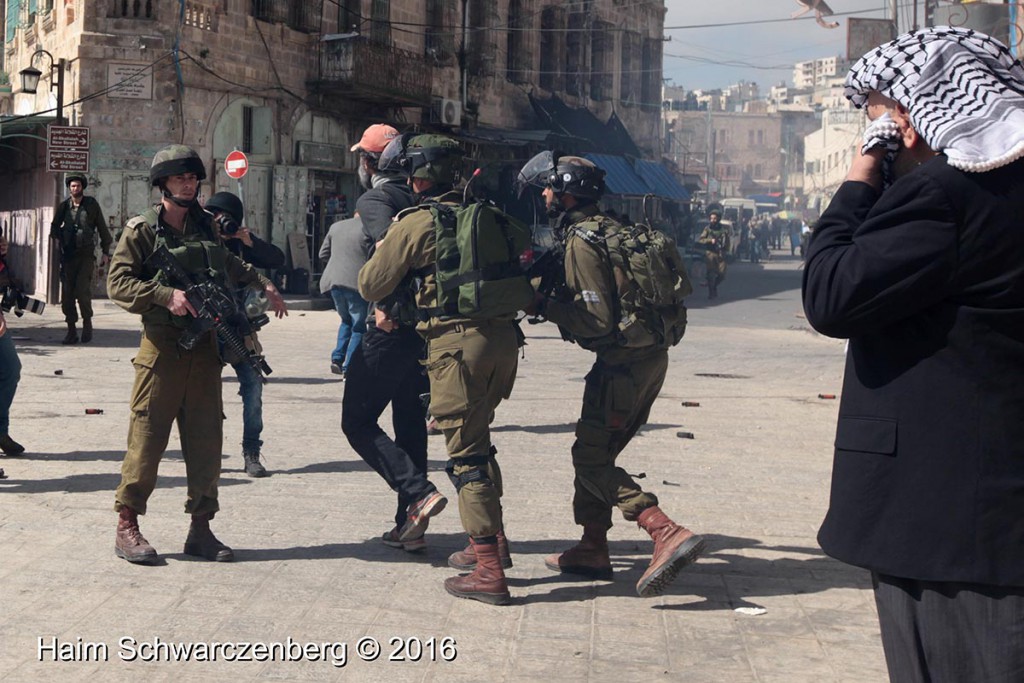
column 172, row 383
column 715, row 240
column 620, row 388
column 471, row 363
column 76, row 220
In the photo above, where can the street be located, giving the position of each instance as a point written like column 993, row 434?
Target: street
column 311, row 571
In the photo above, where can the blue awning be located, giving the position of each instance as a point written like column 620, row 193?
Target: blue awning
column 645, row 177
column 620, row 177
column 662, row 183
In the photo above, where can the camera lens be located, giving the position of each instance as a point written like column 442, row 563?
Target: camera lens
column 227, row 224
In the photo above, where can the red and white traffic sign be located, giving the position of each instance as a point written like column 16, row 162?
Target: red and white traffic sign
column 236, row 164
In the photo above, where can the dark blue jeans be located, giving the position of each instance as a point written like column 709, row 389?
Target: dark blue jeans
column 10, row 374
column 250, row 388
column 352, row 309
column 386, row 369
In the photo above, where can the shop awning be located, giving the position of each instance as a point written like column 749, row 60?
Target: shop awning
column 661, row 182
column 635, row 179
column 620, row 177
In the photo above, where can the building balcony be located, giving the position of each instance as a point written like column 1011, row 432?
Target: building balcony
column 358, row 68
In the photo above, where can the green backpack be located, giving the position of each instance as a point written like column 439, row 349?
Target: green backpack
column 480, row 272
column 651, row 278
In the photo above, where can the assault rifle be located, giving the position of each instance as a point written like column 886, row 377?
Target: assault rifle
column 216, row 309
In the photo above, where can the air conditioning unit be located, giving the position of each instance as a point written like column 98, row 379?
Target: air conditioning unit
column 445, row 111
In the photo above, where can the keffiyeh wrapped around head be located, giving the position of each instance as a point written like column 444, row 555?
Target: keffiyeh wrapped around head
column 963, row 89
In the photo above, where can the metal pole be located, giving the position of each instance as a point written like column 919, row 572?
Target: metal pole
column 61, row 63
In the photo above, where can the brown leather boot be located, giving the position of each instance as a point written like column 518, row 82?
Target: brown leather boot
column 674, row 548
column 487, row 582
column 202, row 543
column 465, row 559
column 72, row 336
column 587, row 558
column 86, row 330
column 130, row 544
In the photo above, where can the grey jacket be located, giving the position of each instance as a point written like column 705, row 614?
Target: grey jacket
column 343, row 250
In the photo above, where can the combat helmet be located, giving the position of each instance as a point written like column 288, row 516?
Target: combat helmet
column 435, row 157
column 571, row 175
column 76, row 176
column 175, row 160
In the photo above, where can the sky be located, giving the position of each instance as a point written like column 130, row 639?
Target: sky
column 694, row 56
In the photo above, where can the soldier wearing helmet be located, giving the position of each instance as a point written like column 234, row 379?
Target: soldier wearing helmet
column 172, row 383
column 620, row 388
column 76, row 221
column 471, row 364
column 715, row 241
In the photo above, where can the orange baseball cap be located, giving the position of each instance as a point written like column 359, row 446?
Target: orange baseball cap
column 375, row 138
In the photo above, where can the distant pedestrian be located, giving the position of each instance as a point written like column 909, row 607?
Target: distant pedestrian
column 795, row 225
column 342, row 248
column 10, row 373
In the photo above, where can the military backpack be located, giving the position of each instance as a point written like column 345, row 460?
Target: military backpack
column 479, row 268
column 651, row 280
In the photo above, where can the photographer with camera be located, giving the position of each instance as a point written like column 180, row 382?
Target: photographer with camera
column 10, row 372
column 76, row 220
column 228, row 214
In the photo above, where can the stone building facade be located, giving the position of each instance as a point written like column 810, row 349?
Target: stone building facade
column 292, row 84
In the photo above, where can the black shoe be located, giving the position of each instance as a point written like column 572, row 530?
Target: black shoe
column 336, row 369
column 86, row 330
column 72, row 336
column 10, row 447
column 252, row 464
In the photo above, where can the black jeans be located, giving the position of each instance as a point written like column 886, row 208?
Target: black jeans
column 385, row 369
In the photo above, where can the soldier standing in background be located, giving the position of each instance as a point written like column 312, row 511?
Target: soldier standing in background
column 76, row 220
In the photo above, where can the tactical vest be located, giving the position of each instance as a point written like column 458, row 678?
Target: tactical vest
column 479, row 270
column 650, row 279
column 77, row 230
column 196, row 255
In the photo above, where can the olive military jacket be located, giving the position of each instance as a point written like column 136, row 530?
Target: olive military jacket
column 589, row 305
column 410, row 247
column 75, row 227
column 132, row 283
column 716, row 237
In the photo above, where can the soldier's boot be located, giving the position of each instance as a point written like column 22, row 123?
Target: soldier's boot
column 86, row 330
column 486, row 583
column 253, row 467
column 130, row 544
column 712, row 287
column 72, row 336
column 465, row 559
column 675, row 547
column 587, row 558
column 9, row 446
column 202, row 543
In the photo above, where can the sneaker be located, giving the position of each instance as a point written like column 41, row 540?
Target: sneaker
column 432, row 428
column 412, row 545
column 336, row 369
column 419, row 514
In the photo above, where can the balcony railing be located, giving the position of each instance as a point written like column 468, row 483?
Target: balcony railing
column 354, row 66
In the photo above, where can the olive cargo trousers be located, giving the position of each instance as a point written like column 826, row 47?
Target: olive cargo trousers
column 472, row 368
column 174, row 384
column 617, row 401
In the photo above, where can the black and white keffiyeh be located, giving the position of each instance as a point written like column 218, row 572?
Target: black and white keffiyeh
column 963, row 89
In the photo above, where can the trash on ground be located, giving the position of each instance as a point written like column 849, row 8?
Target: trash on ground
column 94, row 411
column 752, row 611
column 691, row 404
column 684, row 435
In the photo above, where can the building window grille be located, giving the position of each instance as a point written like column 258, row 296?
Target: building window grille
column 517, row 66
column 602, row 45
column 380, row 22
column 350, row 16
column 483, row 20
column 304, row 16
column 575, row 54
column 629, row 66
column 552, row 40
column 650, row 74
column 439, row 43
column 270, row 10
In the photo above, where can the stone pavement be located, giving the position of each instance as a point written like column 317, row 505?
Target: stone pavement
column 312, row 578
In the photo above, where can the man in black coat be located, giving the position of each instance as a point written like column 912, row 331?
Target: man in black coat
column 926, row 280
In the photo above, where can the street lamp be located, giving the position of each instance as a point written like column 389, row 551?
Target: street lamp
column 30, row 79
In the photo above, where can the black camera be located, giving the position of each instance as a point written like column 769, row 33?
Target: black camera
column 20, row 302
column 226, row 224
